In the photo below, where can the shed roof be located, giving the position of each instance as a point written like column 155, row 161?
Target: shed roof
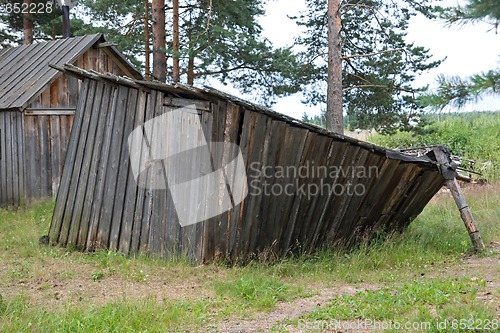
column 24, row 70
column 207, row 93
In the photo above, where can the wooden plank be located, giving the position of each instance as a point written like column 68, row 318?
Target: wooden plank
column 45, row 153
column 349, row 156
column 123, row 215
column 9, row 158
column 336, row 156
column 257, row 128
column 107, row 227
column 304, row 200
column 100, row 115
column 128, row 245
column 50, row 112
column 318, row 175
column 183, row 102
column 55, row 157
column 73, row 90
column 87, row 158
column 79, row 149
column 22, row 157
column 93, row 239
column 229, row 115
column 211, row 231
column 367, row 213
column 140, row 192
column 295, row 138
column 267, row 220
column 3, row 161
column 361, row 188
column 148, row 193
column 15, row 118
column 62, row 194
column 54, row 93
column 158, row 223
column 343, row 227
column 319, row 215
column 66, row 123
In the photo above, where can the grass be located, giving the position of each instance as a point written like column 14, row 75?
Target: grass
column 431, row 302
column 416, row 274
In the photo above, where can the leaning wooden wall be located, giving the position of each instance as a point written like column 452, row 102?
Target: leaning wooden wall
column 100, row 206
column 11, row 158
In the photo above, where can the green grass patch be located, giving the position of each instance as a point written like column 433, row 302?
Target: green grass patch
column 146, row 315
column 421, row 301
column 257, row 290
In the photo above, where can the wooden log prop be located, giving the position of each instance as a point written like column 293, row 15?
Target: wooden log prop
column 449, row 173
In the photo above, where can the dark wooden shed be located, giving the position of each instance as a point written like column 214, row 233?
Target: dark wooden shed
column 100, row 205
column 37, row 106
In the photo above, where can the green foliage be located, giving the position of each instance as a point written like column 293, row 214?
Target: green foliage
column 455, row 91
column 472, row 135
column 314, row 120
column 379, row 65
column 46, row 22
column 474, row 11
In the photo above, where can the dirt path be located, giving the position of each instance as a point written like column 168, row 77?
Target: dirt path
column 475, row 267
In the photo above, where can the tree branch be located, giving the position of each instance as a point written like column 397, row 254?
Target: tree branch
column 377, row 86
column 374, row 53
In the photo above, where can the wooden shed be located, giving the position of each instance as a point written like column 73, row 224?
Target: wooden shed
column 100, row 205
column 37, row 106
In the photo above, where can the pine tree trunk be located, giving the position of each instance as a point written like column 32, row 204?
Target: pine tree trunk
column 334, row 105
column 190, row 72
column 175, row 46
column 147, row 72
column 159, row 43
column 28, row 25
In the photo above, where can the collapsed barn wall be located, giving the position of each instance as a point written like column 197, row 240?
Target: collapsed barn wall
column 100, row 205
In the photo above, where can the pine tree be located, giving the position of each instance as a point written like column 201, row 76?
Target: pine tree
column 455, row 91
column 378, row 64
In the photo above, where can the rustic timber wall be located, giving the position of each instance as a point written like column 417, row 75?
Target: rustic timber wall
column 11, row 155
column 44, row 101
column 99, row 204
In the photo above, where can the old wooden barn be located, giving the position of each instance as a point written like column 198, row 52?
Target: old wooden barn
column 100, row 205
column 37, row 106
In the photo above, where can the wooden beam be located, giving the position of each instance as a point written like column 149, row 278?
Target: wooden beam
column 50, row 111
column 444, row 161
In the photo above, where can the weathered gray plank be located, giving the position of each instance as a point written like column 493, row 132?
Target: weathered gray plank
column 132, row 192
column 3, row 161
column 10, row 159
column 45, row 155
column 119, row 217
column 66, row 178
column 87, row 159
column 95, row 235
column 81, row 139
column 100, row 116
column 107, row 227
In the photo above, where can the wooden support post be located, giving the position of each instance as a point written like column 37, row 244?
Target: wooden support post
column 443, row 158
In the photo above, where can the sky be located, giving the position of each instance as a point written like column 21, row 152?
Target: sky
column 468, row 50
